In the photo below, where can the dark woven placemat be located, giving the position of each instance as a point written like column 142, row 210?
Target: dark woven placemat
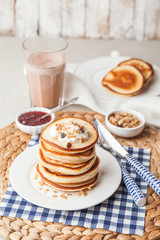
column 13, row 142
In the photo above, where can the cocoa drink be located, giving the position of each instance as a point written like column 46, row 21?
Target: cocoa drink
column 45, row 65
column 45, row 74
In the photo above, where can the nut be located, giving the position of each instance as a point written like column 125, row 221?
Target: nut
column 124, row 120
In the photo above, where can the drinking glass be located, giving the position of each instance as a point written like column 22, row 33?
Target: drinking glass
column 45, row 60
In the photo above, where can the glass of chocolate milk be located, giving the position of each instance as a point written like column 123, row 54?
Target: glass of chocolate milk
column 45, row 60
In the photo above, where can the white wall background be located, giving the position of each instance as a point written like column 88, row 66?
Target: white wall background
column 109, row 19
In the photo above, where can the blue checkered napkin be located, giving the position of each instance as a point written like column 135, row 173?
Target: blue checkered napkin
column 119, row 213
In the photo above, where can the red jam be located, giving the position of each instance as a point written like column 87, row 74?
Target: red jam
column 34, row 118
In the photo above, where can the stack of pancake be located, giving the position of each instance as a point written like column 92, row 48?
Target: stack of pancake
column 67, row 157
column 129, row 77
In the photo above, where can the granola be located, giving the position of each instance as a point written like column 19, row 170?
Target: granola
column 124, row 120
column 70, row 131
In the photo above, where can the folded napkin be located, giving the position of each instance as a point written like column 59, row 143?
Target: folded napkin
column 74, row 86
column 119, row 213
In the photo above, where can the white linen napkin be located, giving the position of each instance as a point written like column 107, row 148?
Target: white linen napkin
column 74, row 86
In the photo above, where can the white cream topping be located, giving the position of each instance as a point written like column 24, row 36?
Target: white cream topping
column 69, row 131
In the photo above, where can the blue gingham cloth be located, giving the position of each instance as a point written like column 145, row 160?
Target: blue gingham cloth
column 119, row 213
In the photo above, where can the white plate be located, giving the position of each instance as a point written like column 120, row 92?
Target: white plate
column 93, row 71
column 22, row 181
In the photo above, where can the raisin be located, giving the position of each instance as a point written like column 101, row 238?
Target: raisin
column 69, row 145
column 82, row 129
column 112, row 115
column 62, row 135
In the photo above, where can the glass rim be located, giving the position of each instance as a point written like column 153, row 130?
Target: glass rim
column 39, row 37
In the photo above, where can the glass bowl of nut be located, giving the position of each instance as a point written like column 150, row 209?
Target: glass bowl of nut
column 125, row 122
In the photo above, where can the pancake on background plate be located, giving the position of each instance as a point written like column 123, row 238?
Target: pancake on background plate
column 67, row 157
column 129, row 77
column 124, row 80
column 145, row 68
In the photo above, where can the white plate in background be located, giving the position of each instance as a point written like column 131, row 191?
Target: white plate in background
column 93, row 71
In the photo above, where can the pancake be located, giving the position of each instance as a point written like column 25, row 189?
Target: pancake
column 144, row 67
column 124, row 80
column 69, row 135
column 69, row 187
column 58, row 178
column 67, row 157
column 74, row 158
column 69, row 169
column 66, row 164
